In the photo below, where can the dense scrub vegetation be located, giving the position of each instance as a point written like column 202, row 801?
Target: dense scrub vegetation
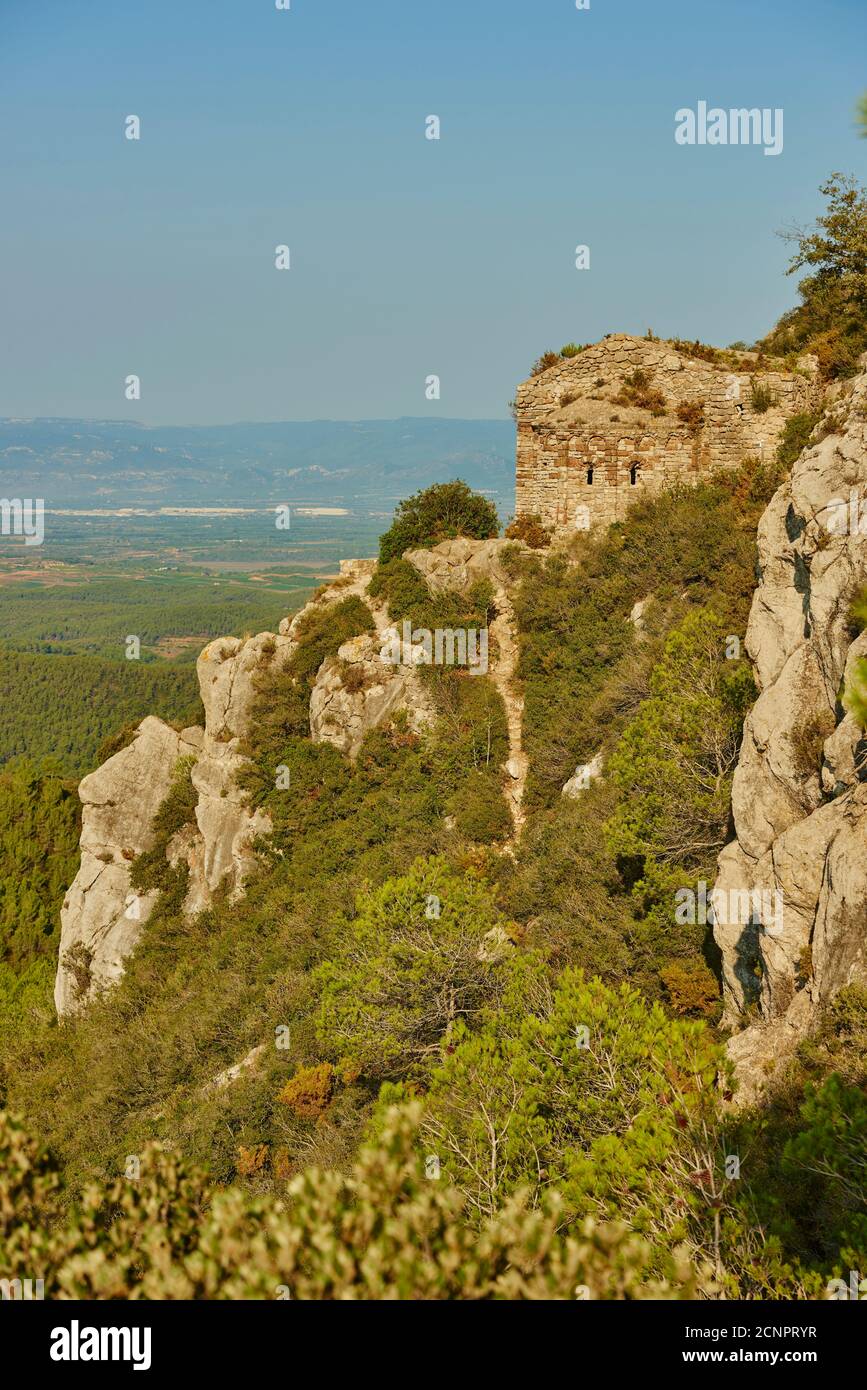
column 39, row 828
column 534, row 1025
column 381, row 1232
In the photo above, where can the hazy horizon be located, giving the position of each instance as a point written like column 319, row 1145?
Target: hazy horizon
column 409, row 257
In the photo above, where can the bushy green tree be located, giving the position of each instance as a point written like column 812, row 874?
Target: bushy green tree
column 676, row 757
column 480, row 809
column 796, row 436
column 674, row 766
column 594, row 1092
column 439, row 513
column 830, row 1152
column 423, row 954
column 831, row 319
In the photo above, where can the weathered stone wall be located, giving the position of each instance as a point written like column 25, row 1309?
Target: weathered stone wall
column 582, row 455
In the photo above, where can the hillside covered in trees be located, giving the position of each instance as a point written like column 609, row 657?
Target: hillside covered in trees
column 64, row 707
column 438, row 1048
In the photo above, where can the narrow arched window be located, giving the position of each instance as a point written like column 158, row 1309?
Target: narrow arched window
column 633, row 474
column 590, row 475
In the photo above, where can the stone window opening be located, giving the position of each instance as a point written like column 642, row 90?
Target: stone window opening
column 589, row 475
column 633, row 473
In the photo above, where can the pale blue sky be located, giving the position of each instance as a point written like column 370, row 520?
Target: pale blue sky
column 409, row 257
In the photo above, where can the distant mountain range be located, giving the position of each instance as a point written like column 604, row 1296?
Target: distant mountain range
column 365, row 462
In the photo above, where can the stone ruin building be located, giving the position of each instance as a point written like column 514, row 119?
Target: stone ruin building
column 629, row 413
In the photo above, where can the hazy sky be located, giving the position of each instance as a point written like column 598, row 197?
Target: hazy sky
column 409, row 257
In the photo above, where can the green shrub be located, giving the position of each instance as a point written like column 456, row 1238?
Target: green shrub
column 691, row 414
column 638, row 390
column 548, row 359
column 480, row 809
column 407, row 969
column 437, row 514
column 151, row 869
column 761, row 398
column 383, row 1231
column 594, row 1092
column 674, row 766
column 309, row 1092
column 796, row 436
column 701, row 352
column 831, row 319
column 692, row 989
column 529, row 529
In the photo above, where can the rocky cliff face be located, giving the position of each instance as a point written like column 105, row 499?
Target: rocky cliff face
column 791, row 898
column 354, row 692
column 359, row 688
column 102, row 918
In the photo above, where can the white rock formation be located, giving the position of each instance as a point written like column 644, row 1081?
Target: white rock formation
column 636, row 616
column 359, row 688
column 799, row 803
column 102, row 918
column 584, row 774
column 222, row 854
column 454, row 565
column 226, row 1078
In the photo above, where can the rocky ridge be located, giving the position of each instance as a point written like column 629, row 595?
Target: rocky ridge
column 795, row 877
column 355, row 691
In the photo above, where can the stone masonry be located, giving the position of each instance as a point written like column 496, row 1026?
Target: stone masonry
column 582, row 455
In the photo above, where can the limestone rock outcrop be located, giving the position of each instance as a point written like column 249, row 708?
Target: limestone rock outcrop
column 456, row 564
column 101, row 918
column 790, row 901
column 584, row 774
column 222, row 852
column 361, row 686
